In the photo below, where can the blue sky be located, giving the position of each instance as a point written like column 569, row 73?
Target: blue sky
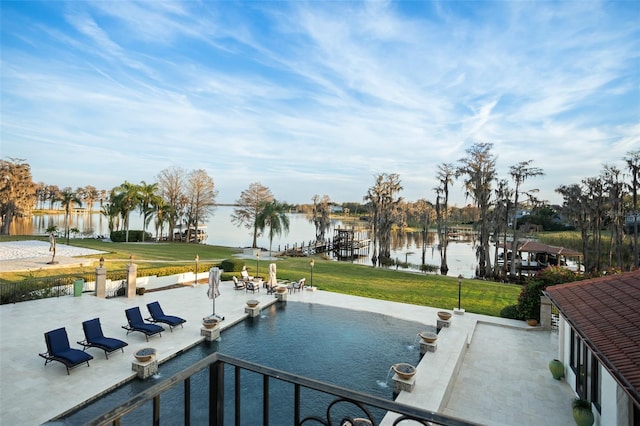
column 317, row 97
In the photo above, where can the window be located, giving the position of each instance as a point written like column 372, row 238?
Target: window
column 587, row 370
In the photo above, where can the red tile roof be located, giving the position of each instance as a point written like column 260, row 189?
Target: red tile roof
column 605, row 311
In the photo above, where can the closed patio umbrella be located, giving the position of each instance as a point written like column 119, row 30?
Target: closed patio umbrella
column 272, row 275
column 214, row 289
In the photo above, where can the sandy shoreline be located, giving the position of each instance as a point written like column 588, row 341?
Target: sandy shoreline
column 18, row 250
column 33, row 255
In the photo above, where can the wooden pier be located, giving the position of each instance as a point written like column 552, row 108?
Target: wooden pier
column 350, row 243
column 346, row 244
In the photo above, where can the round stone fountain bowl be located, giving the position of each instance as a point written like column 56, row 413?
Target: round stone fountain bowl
column 403, row 370
column 444, row 315
column 252, row 303
column 145, row 354
column 428, row 336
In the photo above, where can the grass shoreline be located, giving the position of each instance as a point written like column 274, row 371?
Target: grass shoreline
column 477, row 296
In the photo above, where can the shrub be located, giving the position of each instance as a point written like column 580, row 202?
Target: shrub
column 581, row 404
column 135, row 236
column 557, row 275
column 511, row 312
column 232, row 265
column 386, row 261
column 529, row 300
column 429, row 268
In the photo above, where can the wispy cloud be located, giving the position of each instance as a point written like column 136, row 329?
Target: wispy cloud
column 316, row 97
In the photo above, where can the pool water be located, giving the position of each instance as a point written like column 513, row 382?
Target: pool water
column 353, row 349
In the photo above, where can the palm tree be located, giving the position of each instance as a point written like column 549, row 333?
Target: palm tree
column 110, row 211
column 67, row 199
column 162, row 214
column 148, row 200
column 127, row 199
column 273, row 215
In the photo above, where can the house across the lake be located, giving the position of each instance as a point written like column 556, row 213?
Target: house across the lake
column 599, row 344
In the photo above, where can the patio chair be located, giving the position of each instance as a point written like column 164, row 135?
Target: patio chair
column 270, row 288
column 299, row 285
column 296, row 285
column 136, row 323
column 253, row 286
column 237, row 285
column 157, row 315
column 245, row 275
column 58, row 349
column 94, row 338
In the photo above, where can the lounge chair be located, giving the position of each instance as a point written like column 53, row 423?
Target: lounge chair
column 94, row 338
column 237, row 285
column 136, row 323
column 157, row 315
column 58, row 349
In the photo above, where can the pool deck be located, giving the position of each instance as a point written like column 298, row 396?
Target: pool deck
column 487, row 370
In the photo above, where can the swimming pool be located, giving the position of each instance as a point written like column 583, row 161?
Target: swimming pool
column 353, row 349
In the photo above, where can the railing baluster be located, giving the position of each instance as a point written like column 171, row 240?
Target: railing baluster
column 236, row 376
column 216, row 394
column 156, row 410
column 187, row 401
column 296, row 404
column 265, row 400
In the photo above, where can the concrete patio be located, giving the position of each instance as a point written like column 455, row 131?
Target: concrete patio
column 487, row 370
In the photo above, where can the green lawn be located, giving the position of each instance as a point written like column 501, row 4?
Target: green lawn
column 483, row 297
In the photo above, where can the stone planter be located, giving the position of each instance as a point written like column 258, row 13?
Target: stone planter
column 443, row 315
column 532, row 322
column 583, row 417
column 252, row 303
column 403, row 370
column 210, row 322
column 557, row 369
column 428, row 336
column 281, row 289
column 144, row 355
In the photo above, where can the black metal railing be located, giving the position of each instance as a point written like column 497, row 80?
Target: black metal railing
column 214, row 367
column 41, row 288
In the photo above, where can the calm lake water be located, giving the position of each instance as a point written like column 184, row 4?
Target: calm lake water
column 221, row 231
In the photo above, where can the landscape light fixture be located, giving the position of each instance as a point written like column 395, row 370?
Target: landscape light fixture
column 459, row 289
column 197, row 260
column 311, row 263
column 257, row 264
